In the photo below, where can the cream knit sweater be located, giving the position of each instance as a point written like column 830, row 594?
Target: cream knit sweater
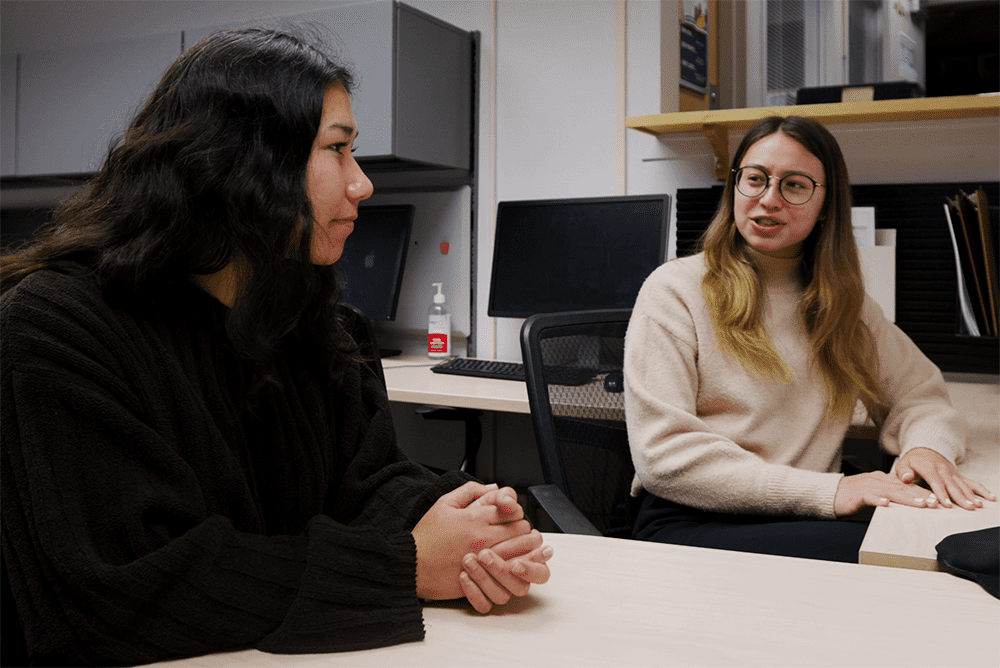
column 708, row 433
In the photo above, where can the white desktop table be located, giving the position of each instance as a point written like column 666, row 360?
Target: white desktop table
column 409, row 379
column 897, row 536
column 615, row 602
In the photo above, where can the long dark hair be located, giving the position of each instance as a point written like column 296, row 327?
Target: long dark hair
column 832, row 303
column 211, row 171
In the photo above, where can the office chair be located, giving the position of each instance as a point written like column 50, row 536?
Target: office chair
column 573, row 368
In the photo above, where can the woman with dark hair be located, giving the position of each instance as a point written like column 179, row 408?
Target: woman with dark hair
column 744, row 364
column 194, row 459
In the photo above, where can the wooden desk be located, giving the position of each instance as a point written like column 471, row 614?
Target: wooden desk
column 906, row 537
column 897, row 536
column 614, row 602
column 409, row 379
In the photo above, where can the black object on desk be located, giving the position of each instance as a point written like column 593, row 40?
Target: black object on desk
column 468, row 366
column 374, row 258
column 974, row 555
column 575, row 254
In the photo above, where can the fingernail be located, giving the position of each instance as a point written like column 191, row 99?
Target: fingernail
column 931, row 496
column 883, row 502
column 920, row 500
column 547, row 551
column 469, row 561
column 518, row 569
column 486, row 558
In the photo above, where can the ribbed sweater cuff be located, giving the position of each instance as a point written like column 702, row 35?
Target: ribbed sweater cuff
column 358, row 591
column 940, row 441
column 797, row 492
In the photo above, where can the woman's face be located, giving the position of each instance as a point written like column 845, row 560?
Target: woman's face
column 335, row 183
column 767, row 222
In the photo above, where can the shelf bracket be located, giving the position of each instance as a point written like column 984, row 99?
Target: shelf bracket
column 718, row 137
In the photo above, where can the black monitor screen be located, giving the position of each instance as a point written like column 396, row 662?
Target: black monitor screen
column 575, row 254
column 373, row 259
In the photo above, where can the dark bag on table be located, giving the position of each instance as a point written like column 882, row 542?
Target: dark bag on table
column 974, row 555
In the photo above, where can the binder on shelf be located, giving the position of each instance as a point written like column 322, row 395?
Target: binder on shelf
column 986, row 232
column 967, row 317
column 971, row 230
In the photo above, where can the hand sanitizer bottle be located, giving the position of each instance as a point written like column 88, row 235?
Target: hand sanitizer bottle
column 438, row 327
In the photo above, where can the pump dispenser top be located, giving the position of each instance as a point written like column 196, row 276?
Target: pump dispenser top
column 439, row 297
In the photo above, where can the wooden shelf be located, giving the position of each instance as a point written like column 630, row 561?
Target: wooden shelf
column 715, row 125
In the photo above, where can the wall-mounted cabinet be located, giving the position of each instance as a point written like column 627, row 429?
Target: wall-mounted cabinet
column 72, row 102
column 413, row 99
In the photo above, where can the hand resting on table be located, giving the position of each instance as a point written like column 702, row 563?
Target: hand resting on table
column 947, row 487
column 475, row 542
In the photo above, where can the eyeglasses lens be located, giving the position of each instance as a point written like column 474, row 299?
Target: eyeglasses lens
column 794, row 188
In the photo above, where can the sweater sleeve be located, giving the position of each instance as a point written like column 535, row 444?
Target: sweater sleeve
column 920, row 411
column 118, row 554
column 677, row 455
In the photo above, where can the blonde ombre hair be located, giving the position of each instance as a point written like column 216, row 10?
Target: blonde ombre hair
column 841, row 343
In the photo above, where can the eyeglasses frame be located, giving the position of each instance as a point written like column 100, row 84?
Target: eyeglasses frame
column 736, row 180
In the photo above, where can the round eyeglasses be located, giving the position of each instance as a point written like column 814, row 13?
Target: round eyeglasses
column 794, row 188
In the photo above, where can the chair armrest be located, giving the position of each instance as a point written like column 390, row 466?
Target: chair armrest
column 562, row 512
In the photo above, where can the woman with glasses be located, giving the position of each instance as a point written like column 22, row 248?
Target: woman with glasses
column 744, row 364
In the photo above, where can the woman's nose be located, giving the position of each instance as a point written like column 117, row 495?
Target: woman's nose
column 360, row 186
column 771, row 196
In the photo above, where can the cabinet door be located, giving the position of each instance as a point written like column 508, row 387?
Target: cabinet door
column 74, row 102
column 362, row 36
column 359, row 36
column 8, row 111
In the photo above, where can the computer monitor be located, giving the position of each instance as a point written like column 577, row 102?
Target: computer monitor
column 575, row 254
column 371, row 265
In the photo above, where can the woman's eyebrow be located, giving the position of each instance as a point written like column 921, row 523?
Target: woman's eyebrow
column 349, row 130
column 788, row 173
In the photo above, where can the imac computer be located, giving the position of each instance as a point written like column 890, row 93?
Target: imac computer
column 371, row 265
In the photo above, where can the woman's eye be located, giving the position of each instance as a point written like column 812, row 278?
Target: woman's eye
column 339, row 148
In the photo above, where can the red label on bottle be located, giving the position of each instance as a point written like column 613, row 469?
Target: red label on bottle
column 437, row 343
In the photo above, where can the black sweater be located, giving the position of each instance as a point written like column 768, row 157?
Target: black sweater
column 150, row 510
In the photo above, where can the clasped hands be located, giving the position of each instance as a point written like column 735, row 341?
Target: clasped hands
column 474, row 542
column 946, row 486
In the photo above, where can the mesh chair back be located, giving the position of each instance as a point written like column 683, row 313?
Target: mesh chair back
column 579, row 422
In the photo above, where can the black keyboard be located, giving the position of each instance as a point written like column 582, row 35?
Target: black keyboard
column 467, row 366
